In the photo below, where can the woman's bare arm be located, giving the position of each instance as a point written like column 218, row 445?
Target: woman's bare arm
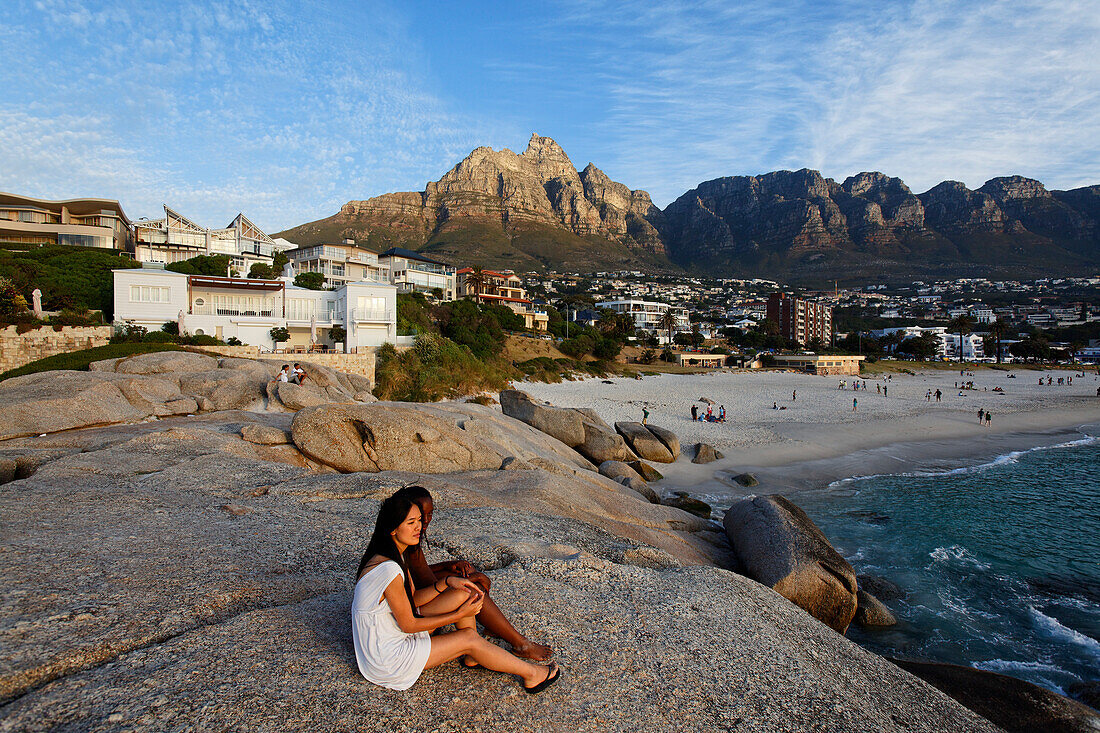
column 410, row 624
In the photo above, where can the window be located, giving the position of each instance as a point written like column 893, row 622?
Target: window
column 149, row 294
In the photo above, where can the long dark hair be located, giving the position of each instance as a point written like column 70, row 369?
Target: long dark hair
column 391, row 514
column 418, row 494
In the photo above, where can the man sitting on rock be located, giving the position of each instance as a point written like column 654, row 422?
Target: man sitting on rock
column 298, row 375
column 425, row 575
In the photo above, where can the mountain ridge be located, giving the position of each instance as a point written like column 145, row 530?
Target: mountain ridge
column 535, row 210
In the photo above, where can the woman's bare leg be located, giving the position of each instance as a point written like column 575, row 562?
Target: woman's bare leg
column 446, row 647
column 448, row 601
column 492, row 618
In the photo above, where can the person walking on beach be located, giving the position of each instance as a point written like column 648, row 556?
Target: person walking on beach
column 884, row 392
column 722, row 413
column 988, row 419
column 938, row 395
column 981, row 415
column 694, row 413
column 878, row 388
column 928, row 396
column 855, row 404
column 645, row 415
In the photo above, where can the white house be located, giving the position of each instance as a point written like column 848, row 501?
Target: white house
column 247, row 309
column 647, row 315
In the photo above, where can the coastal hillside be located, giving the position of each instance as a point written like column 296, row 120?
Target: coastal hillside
column 530, row 210
column 534, row 211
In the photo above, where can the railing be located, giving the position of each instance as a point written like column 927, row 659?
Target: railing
column 370, row 314
column 322, row 317
column 211, row 310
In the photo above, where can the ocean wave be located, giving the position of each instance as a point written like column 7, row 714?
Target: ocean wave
column 1001, row 460
column 1010, row 665
column 1057, row 629
column 958, row 555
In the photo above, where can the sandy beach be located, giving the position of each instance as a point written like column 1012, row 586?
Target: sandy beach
column 818, row 438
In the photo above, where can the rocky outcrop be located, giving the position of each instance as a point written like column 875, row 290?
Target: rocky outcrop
column 775, row 543
column 682, row 500
column 705, row 453
column 871, row 612
column 1014, row 705
column 669, row 438
column 207, row 577
column 644, row 443
column 161, row 384
column 577, row 428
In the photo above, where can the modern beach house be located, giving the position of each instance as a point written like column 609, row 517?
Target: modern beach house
column 176, row 238
column 648, row 314
column 412, row 272
column 247, row 309
column 73, row 222
column 341, row 263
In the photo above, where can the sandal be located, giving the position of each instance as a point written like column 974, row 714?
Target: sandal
column 552, row 676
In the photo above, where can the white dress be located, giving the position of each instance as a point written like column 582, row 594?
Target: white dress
column 386, row 655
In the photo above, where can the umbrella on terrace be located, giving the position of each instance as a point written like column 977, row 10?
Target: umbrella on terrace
column 313, row 329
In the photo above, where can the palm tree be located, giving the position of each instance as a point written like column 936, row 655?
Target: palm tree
column 960, row 325
column 997, row 330
column 667, row 322
column 476, row 280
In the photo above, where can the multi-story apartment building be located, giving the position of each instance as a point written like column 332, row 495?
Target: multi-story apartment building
column 412, row 272
column 648, row 315
column 175, row 238
column 340, row 263
column 503, row 288
column 800, row 320
column 249, row 308
column 947, row 344
column 73, row 222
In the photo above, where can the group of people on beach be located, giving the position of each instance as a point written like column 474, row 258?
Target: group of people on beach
column 400, row 600
column 985, row 417
column 709, row 415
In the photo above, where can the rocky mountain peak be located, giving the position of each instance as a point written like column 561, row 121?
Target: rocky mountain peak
column 1008, row 188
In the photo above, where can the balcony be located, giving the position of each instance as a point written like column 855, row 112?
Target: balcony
column 212, row 310
column 370, row 315
column 323, row 317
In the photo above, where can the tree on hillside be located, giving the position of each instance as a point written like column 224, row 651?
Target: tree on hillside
column 997, row 330
column 962, row 326
column 920, row 347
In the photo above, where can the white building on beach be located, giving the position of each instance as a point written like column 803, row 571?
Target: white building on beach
column 647, row 315
column 247, row 309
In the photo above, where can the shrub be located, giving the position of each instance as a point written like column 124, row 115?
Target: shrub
column 279, row 335
column 577, row 347
column 11, row 302
column 203, row 339
column 606, row 348
column 452, row 371
column 209, row 265
column 338, row 334
column 310, row 280
column 234, row 341
column 160, row 337
column 172, row 327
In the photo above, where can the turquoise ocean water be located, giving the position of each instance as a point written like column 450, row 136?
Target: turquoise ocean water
column 1000, row 562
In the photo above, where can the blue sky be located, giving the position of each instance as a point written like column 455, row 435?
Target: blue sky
column 286, row 110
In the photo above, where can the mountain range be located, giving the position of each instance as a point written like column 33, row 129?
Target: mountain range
column 534, row 211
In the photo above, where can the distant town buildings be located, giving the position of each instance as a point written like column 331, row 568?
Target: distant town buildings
column 800, row 321
column 73, row 222
column 247, row 309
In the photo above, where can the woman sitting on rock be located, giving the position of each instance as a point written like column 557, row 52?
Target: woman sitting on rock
column 391, row 618
column 491, row 617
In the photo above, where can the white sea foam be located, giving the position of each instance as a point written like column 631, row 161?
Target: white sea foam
column 1001, row 460
column 1060, row 631
column 957, row 554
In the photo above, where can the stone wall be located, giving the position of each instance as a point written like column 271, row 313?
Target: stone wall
column 17, row 349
